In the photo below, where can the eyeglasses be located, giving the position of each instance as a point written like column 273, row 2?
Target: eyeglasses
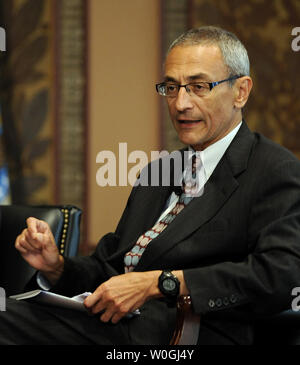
column 197, row 88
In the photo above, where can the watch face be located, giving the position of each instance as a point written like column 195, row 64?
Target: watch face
column 169, row 284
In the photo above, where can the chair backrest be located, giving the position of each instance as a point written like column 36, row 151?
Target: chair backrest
column 64, row 222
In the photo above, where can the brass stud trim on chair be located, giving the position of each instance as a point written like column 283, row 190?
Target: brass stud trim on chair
column 64, row 231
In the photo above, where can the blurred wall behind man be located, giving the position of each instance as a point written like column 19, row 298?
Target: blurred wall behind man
column 78, row 78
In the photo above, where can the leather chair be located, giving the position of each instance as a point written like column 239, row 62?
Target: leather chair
column 64, row 222
column 281, row 329
column 187, row 323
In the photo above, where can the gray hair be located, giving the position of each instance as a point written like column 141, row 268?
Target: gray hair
column 233, row 51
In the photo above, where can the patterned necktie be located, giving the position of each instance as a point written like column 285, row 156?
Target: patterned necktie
column 189, row 190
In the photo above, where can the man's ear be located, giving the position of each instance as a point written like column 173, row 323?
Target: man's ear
column 242, row 87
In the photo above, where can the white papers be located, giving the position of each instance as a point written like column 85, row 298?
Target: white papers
column 46, row 297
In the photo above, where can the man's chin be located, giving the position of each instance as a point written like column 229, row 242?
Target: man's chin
column 190, row 140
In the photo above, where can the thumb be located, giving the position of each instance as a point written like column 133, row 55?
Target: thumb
column 37, row 229
column 44, row 233
column 32, row 225
column 42, row 227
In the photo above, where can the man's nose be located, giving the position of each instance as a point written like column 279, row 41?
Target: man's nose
column 183, row 100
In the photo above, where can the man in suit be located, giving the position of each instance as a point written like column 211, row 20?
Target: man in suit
column 234, row 246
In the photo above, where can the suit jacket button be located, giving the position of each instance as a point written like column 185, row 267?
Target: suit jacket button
column 233, row 298
column 225, row 301
column 211, row 303
column 219, row 302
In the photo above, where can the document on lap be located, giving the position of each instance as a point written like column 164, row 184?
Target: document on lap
column 46, row 297
column 49, row 298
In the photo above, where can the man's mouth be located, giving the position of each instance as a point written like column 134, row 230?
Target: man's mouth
column 188, row 121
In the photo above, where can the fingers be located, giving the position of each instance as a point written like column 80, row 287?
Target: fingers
column 37, row 226
column 34, row 237
column 111, row 309
column 27, row 242
column 91, row 300
column 120, row 295
column 42, row 227
column 20, row 244
column 94, row 302
column 113, row 314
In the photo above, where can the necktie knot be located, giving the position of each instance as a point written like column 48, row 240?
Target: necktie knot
column 191, row 178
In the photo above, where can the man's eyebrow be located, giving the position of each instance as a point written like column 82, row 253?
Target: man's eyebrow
column 199, row 76
column 170, row 79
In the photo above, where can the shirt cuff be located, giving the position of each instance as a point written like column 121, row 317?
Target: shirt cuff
column 42, row 282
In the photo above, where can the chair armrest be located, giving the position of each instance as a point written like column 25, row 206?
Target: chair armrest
column 64, row 222
column 281, row 329
column 187, row 323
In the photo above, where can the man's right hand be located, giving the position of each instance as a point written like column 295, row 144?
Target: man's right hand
column 37, row 246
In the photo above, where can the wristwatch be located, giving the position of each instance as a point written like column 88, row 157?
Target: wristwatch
column 169, row 285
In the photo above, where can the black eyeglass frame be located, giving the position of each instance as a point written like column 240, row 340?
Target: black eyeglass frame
column 211, row 84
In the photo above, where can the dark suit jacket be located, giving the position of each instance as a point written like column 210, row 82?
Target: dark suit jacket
column 238, row 244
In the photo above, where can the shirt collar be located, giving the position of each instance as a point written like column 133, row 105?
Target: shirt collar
column 211, row 156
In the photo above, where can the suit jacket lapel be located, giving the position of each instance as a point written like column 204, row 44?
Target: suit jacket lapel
column 149, row 201
column 217, row 190
column 145, row 210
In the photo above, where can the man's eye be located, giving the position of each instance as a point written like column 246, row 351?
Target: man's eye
column 198, row 86
column 171, row 88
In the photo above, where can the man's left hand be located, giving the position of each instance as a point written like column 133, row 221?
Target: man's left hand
column 123, row 294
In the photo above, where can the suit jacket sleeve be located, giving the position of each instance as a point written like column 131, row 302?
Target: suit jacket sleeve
column 88, row 272
column 263, row 281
